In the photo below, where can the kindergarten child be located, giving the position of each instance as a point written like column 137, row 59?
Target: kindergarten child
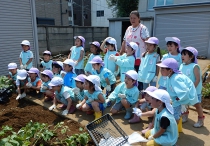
column 79, row 90
column 148, row 72
column 22, row 80
column 68, row 66
column 57, row 69
column 46, row 77
column 173, row 47
column 165, row 131
column 181, row 89
column 12, row 67
column 34, row 82
column 77, row 54
column 46, row 64
column 127, row 60
column 93, row 96
column 95, row 51
column 63, row 94
column 107, row 78
column 125, row 94
column 26, row 56
column 191, row 69
column 109, row 46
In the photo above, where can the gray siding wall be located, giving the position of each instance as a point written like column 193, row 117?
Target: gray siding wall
column 191, row 24
column 61, row 39
column 16, row 24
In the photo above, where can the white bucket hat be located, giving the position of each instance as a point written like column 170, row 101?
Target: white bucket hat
column 70, row 62
column 12, row 66
column 163, row 96
column 133, row 74
column 95, row 80
column 56, row 81
column 112, row 41
column 25, row 42
column 22, row 74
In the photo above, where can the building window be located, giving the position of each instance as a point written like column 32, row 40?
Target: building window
column 152, row 3
column 100, row 13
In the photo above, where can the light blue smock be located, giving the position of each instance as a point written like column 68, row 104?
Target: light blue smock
column 75, row 54
column 25, row 56
column 105, row 73
column 109, row 64
column 88, row 67
column 61, row 98
column 188, row 70
column 125, row 63
column 147, row 69
column 132, row 94
column 34, row 82
column 69, row 79
column 14, row 77
column 47, row 65
column 46, row 85
column 178, row 58
column 170, row 136
column 179, row 85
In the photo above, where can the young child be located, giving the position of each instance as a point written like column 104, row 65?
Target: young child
column 12, row 67
column 109, row 46
column 79, row 90
column 127, row 60
column 57, row 69
column 191, row 69
column 22, row 80
column 125, row 94
column 95, row 51
column 77, row 53
column 68, row 66
column 181, row 89
column 63, row 94
column 46, row 64
column 173, row 47
column 26, row 56
column 165, row 127
column 107, row 78
column 148, row 72
column 46, row 77
column 34, row 82
column 93, row 96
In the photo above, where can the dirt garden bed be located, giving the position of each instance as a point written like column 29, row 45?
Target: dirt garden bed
column 17, row 114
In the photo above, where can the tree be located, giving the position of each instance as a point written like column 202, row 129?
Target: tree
column 122, row 8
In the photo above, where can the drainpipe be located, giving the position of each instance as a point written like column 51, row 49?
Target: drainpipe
column 61, row 12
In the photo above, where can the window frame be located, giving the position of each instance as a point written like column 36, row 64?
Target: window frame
column 155, row 4
column 99, row 13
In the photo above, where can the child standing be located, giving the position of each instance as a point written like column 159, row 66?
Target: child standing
column 22, row 80
column 191, row 69
column 95, row 51
column 12, row 67
column 165, row 127
column 46, row 77
column 109, row 46
column 173, row 47
column 127, row 60
column 93, row 96
column 26, row 56
column 63, row 94
column 181, row 89
column 79, row 90
column 107, row 78
column 125, row 94
column 68, row 66
column 77, row 53
column 148, row 71
column 46, row 64
column 57, row 69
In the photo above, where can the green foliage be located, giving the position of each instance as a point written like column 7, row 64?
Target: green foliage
column 206, row 90
column 5, row 82
column 38, row 133
column 122, row 8
column 163, row 52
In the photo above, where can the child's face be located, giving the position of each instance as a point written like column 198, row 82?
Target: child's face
column 165, row 72
column 172, row 48
column 56, row 88
column 86, row 85
column 46, row 57
column 129, row 51
column 78, row 42
column 96, row 66
column 13, row 71
column 45, row 78
column 186, row 58
column 25, row 47
column 147, row 98
column 93, row 49
column 80, row 85
column 129, row 82
column 55, row 70
column 110, row 47
column 150, row 47
column 67, row 68
column 155, row 103
column 32, row 76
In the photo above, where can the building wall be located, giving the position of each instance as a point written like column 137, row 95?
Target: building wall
column 52, row 9
column 98, row 6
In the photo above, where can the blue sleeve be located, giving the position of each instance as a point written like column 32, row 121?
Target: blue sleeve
column 114, row 94
column 106, row 75
column 126, row 62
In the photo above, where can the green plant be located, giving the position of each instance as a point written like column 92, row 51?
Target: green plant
column 5, row 82
column 206, row 90
column 163, row 52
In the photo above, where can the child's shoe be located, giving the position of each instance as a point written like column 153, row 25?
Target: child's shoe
column 185, row 116
column 98, row 115
column 72, row 109
column 128, row 113
column 62, row 106
column 147, row 129
column 135, row 119
column 200, row 122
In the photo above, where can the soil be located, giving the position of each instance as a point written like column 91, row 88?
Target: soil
column 206, row 101
column 17, row 114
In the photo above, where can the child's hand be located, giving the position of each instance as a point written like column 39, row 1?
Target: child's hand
column 78, row 106
column 112, row 57
column 29, row 85
column 150, row 137
column 137, row 111
column 65, row 112
column 155, row 79
column 121, row 95
column 108, row 88
column 76, row 90
column 21, row 66
column 44, row 87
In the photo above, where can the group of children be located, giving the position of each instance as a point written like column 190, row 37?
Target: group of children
column 79, row 87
